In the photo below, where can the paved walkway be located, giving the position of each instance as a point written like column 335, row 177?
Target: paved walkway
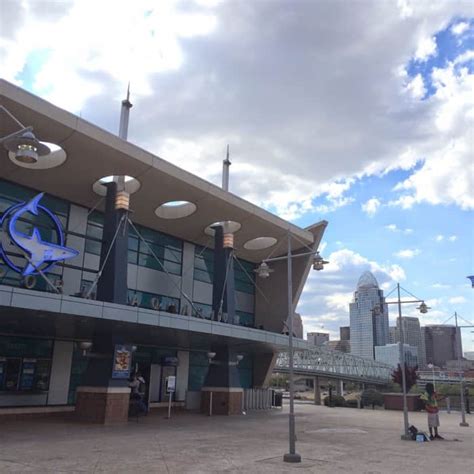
column 330, row 440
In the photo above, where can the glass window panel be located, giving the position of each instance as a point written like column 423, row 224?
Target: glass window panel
column 132, row 243
column 93, row 246
column 132, row 257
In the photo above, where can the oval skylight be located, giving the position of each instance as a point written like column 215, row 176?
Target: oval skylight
column 229, row 227
column 56, row 157
column 175, row 209
column 132, row 185
column 260, row 243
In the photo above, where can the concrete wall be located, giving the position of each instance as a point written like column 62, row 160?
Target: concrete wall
column 60, row 372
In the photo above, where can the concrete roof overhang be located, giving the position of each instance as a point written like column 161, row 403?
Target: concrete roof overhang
column 40, row 314
column 93, row 153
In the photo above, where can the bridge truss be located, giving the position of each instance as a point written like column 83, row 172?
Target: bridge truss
column 323, row 362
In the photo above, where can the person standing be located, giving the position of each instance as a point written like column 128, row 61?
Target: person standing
column 135, row 384
column 466, row 400
column 430, row 397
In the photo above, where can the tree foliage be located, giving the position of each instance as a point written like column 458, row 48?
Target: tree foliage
column 372, row 397
column 410, row 375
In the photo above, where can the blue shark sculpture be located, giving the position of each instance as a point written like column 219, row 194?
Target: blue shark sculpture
column 39, row 252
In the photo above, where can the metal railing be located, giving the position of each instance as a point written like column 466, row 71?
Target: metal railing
column 335, row 364
column 257, row 399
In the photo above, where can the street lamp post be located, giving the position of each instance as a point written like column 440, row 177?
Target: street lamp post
column 264, row 271
column 423, row 308
column 406, row 434
column 461, row 375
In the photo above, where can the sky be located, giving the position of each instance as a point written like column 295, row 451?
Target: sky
column 356, row 112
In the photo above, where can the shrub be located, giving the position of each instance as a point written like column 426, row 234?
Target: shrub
column 372, row 397
column 336, row 401
column 351, row 404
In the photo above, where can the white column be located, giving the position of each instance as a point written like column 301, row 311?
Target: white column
column 60, row 372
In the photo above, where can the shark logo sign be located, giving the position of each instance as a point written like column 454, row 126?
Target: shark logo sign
column 40, row 255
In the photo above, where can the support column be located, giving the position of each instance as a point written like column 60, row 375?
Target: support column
column 223, row 289
column 317, row 391
column 112, row 284
column 340, row 388
column 222, row 387
column 100, row 398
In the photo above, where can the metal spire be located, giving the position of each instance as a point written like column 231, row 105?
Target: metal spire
column 124, row 115
column 225, row 171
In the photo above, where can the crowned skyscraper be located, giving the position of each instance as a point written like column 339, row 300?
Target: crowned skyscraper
column 368, row 317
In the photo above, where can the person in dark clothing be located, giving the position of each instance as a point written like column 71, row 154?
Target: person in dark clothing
column 466, row 400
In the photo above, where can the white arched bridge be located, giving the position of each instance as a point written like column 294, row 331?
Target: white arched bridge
column 323, row 362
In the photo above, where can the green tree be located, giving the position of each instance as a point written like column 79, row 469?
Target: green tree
column 410, row 375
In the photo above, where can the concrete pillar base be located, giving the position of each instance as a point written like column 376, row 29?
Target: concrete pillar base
column 289, row 457
column 102, row 405
column 225, row 400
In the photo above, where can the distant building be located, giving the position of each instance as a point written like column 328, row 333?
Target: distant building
column 341, row 346
column 318, row 338
column 368, row 317
column 412, row 335
column 443, row 343
column 469, row 355
column 298, row 326
column 390, row 354
column 345, row 333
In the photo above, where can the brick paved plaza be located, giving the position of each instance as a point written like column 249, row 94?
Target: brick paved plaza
column 329, row 440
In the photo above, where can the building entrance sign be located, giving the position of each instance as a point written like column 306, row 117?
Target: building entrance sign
column 40, row 254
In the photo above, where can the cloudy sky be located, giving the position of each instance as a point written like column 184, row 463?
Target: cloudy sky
column 357, row 112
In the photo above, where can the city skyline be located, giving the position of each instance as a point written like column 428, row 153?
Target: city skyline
column 327, row 117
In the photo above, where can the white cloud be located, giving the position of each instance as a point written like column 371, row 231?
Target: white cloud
column 407, row 253
column 459, row 28
column 327, row 294
column 426, row 48
column 441, row 286
column 371, row 207
column 442, row 238
column 457, row 300
column 200, row 75
column 416, row 87
column 394, row 228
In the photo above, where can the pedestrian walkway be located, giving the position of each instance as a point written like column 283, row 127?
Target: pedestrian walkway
column 330, row 440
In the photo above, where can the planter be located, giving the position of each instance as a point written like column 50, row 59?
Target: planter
column 394, row 401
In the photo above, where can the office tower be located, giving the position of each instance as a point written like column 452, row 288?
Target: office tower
column 443, row 343
column 412, row 335
column 345, row 333
column 368, row 317
column 390, row 354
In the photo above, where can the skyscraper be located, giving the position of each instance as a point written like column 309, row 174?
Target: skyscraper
column 368, row 317
column 318, row 338
column 442, row 343
column 412, row 335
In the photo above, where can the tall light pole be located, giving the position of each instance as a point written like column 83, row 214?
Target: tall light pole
column 264, row 271
column 461, row 373
column 423, row 308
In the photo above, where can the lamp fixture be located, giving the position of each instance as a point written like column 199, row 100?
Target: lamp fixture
column 319, row 262
column 211, row 355
column 423, row 308
column 85, row 346
column 122, row 200
column 263, row 270
column 26, row 147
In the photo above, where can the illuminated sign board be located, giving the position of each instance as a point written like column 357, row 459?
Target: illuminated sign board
column 40, row 255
